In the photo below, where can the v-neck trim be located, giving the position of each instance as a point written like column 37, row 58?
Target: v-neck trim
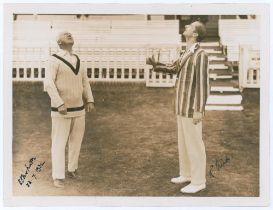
column 75, row 70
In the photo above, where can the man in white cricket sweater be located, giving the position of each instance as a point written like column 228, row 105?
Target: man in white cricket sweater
column 69, row 90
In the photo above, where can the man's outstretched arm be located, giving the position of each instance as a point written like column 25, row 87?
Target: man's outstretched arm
column 161, row 67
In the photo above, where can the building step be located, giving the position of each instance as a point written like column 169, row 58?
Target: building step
column 221, row 71
column 221, row 74
column 218, row 66
column 224, row 99
column 215, row 76
column 213, row 52
column 225, row 93
column 225, row 83
column 224, row 108
column 217, row 48
column 223, row 89
column 222, row 61
column 214, row 38
column 216, row 58
column 218, row 54
column 209, row 44
column 235, row 73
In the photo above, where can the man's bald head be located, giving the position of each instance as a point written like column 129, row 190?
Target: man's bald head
column 65, row 38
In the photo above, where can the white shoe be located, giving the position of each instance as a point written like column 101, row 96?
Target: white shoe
column 191, row 188
column 180, row 180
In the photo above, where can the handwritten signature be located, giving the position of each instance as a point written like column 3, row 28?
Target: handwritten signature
column 24, row 177
column 219, row 163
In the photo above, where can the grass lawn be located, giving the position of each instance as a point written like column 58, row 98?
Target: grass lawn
column 130, row 144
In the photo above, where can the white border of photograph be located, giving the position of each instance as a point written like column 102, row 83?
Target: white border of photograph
column 185, row 9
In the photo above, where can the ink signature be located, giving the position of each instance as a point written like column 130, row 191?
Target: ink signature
column 219, row 163
column 24, row 177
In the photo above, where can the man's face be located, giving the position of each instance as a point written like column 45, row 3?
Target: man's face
column 67, row 39
column 190, row 30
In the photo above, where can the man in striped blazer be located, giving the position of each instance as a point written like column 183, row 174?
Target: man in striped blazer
column 192, row 89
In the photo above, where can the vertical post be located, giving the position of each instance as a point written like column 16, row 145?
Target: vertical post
column 168, row 79
column 131, row 53
column 161, row 81
column 245, row 67
column 153, row 77
column 108, row 68
column 24, row 71
column 258, row 77
column 122, row 52
column 17, row 71
column 140, row 50
column 39, row 61
column 92, row 50
column 255, row 73
column 115, row 63
column 250, row 77
column 99, row 62
column 130, row 72
column 146, row 69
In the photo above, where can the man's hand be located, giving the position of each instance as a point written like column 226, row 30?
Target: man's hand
column 197, row 117
column 62, row 109
column 89, row 107
column 151, row 61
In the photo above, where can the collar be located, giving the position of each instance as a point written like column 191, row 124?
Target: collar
column 194, row 47
column 64, row 53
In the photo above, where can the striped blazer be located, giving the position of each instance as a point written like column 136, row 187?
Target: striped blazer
column 192, row 86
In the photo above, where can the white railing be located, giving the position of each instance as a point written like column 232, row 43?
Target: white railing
column 249, row 67
column 29, row 64
column 114, row 64
column 163, row 55
column 154, row 79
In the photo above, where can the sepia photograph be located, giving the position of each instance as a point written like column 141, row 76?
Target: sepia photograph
column 127, row 103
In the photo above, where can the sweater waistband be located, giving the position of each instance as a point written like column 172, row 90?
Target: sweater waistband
column 72, row 109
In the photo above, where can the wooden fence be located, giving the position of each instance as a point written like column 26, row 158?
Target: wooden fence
column 29, row 63
column 116, row 64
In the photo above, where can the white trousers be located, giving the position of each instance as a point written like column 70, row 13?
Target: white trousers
column 63, row 130
column 191, row 149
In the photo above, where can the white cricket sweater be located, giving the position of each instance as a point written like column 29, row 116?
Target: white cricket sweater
column 65, row 85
